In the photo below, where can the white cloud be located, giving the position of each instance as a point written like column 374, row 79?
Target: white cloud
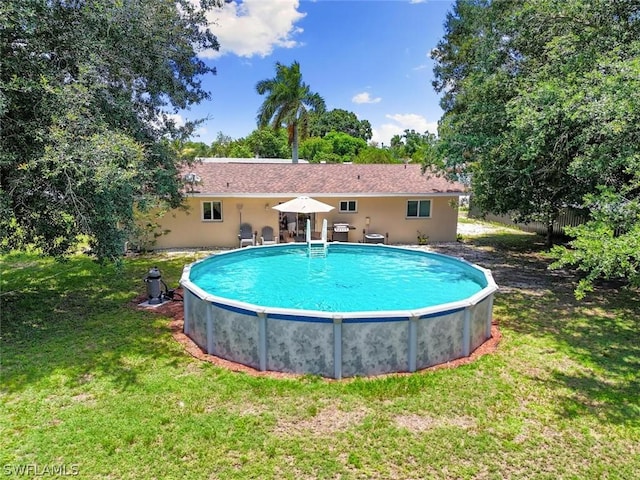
column 364, row 97
column 401, row 122
column 177, row 119
column 254, row 27
column 382, row 134
column 159, row 121
column 201, row 132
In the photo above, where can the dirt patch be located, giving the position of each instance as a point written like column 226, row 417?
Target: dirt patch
column 326, row 422
column 514, row 271
column 473, row 229
column 421, row 423
column 83, row 398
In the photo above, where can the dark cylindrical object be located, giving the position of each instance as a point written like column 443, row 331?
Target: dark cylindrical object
column 154, row 286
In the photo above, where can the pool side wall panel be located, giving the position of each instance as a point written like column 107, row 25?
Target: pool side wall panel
column 479, row 314
column 375, row 348
column 440, row 339
column 236, row 336
column 300, row 347
column 198, row 321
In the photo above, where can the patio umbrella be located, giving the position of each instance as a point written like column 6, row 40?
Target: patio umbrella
column 303, row 205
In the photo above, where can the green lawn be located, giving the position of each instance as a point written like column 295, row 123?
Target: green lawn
column 93, row 385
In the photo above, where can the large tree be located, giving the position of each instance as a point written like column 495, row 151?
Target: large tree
column 221, row 145
column 345, row 146
column 288, row 103
column 413, row 146
column 338, row 120
column 315, row 149
column 375, row 155
column 86, row 89
column 498, row 128
column 541, row 110
column 268, row 143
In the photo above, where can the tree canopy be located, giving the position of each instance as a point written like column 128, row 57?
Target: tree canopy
column 86, row 88
column 541, row 103
column 288, row 103
column 375, row 155
column 413, row 146
column 338, row 120
column 269, row 143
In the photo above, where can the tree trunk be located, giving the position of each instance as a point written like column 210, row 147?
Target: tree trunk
column 294, row 144
column 549, row 239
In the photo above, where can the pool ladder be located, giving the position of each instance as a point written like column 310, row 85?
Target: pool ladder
column 317, row 248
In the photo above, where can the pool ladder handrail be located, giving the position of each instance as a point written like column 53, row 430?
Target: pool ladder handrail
column 317, row 248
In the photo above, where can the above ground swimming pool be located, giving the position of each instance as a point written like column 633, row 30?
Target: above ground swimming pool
column 361, row 309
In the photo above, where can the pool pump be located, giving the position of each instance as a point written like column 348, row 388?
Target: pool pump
column 154, row 282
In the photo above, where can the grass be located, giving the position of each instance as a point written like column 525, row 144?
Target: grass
column 91, row 383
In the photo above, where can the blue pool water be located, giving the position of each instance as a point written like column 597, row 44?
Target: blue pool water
column 351, row 278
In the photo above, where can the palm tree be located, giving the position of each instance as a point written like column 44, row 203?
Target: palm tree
column 288, row 102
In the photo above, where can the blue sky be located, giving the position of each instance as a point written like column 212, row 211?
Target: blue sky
column 370, row 57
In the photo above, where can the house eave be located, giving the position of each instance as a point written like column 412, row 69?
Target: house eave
column 324, row 195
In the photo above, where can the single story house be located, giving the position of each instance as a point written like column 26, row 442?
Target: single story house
column 396, row 201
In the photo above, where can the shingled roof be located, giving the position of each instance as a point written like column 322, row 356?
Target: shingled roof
column 253, row 179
